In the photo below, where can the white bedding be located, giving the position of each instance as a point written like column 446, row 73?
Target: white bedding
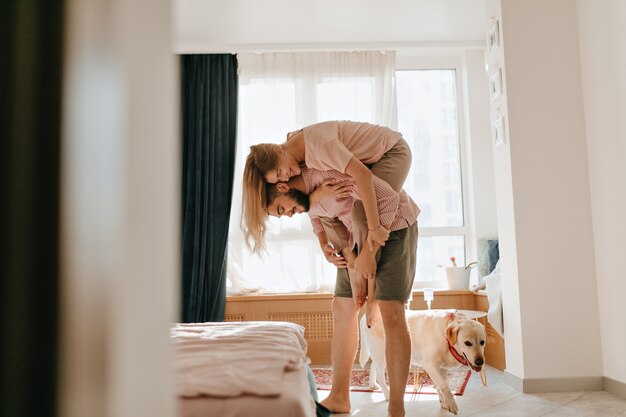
column 231, row 359
column 494, row 296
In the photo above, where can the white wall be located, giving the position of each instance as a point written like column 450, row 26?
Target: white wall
column 544, row 211
column 514, row 348
column 236, row 25
column 479, row 148
column 602, row 34
column 120, row 203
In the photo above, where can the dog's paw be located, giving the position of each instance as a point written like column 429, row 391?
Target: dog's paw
column 448, row 403
column 442, row 402
column 385, row 392
column 451, row 406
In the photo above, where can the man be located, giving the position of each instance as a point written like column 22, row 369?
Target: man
column 394, row 275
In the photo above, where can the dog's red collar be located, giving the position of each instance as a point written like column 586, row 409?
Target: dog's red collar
column 460, row 359
column 457, row 356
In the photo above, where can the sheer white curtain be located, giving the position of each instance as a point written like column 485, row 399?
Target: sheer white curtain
column 279, row 93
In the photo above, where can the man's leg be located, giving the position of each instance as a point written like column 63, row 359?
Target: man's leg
column 394, row 282
column 397, row 353
column 344, row 346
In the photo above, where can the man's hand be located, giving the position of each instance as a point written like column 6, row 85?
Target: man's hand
column 334, row 257
column 365, row 264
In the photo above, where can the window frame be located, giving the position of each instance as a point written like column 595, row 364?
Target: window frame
column 417, row 63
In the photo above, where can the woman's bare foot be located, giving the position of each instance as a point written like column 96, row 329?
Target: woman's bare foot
column 335, row 405
column 372, row 313
column 358, row 286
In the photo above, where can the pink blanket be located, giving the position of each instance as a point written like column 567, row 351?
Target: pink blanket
column 231, row 359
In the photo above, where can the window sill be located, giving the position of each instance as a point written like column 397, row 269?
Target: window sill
column 324, row 296
column 292, row 296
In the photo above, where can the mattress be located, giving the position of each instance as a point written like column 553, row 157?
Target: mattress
column 241, row 369
column 295, row 400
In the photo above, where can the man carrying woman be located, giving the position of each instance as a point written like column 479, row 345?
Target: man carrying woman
column 344, row 148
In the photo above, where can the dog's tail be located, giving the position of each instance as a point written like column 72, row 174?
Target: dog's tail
column 364, row 354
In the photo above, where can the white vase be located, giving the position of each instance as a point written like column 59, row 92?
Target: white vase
column 458, row 277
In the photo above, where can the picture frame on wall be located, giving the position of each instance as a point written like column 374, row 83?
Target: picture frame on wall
column 495, row 84
column 493, row 35
column 498, row 132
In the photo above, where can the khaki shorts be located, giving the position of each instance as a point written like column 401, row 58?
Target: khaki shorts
column 395, row 271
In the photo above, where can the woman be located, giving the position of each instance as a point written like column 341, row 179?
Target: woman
column 344, row 146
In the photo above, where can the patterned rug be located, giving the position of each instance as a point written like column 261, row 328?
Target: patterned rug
column 457, row 380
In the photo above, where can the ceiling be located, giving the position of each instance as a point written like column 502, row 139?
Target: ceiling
column 235, row 25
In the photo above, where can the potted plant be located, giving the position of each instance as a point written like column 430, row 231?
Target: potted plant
column 458, row 276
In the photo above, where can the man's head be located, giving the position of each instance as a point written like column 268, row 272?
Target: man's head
column 285, row 201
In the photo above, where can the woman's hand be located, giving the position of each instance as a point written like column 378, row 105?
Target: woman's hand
column 328, row 188
column 378, row 236
column 334, row 257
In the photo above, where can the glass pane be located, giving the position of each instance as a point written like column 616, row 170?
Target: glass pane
column 437, row 250
column 349, row 98
column 287, row 265
column 293, row 256
column 261, row 100
column 427, row 118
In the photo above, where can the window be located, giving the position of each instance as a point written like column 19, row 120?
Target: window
column 274, row 101
column 428, row 114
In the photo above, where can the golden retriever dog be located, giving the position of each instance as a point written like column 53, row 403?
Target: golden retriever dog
column 440, row 340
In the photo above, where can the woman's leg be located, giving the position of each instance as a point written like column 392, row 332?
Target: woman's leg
column 393, row 168
column 336, row 232
column 394, row 165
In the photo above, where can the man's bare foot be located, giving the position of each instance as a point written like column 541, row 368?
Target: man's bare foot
column 335, row 405
column 396, row 412
column 372, row 313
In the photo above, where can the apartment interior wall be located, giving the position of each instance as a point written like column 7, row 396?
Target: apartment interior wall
column 479, row 145
column 602, row 36
column 545, row 200
column 119, row 209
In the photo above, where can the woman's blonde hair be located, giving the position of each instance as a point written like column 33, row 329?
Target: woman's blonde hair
column 262, row 158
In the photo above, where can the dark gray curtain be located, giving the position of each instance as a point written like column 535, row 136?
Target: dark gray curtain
column 209, row 120
column 31, row 35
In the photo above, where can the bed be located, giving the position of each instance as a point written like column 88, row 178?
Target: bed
column 242, row 369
